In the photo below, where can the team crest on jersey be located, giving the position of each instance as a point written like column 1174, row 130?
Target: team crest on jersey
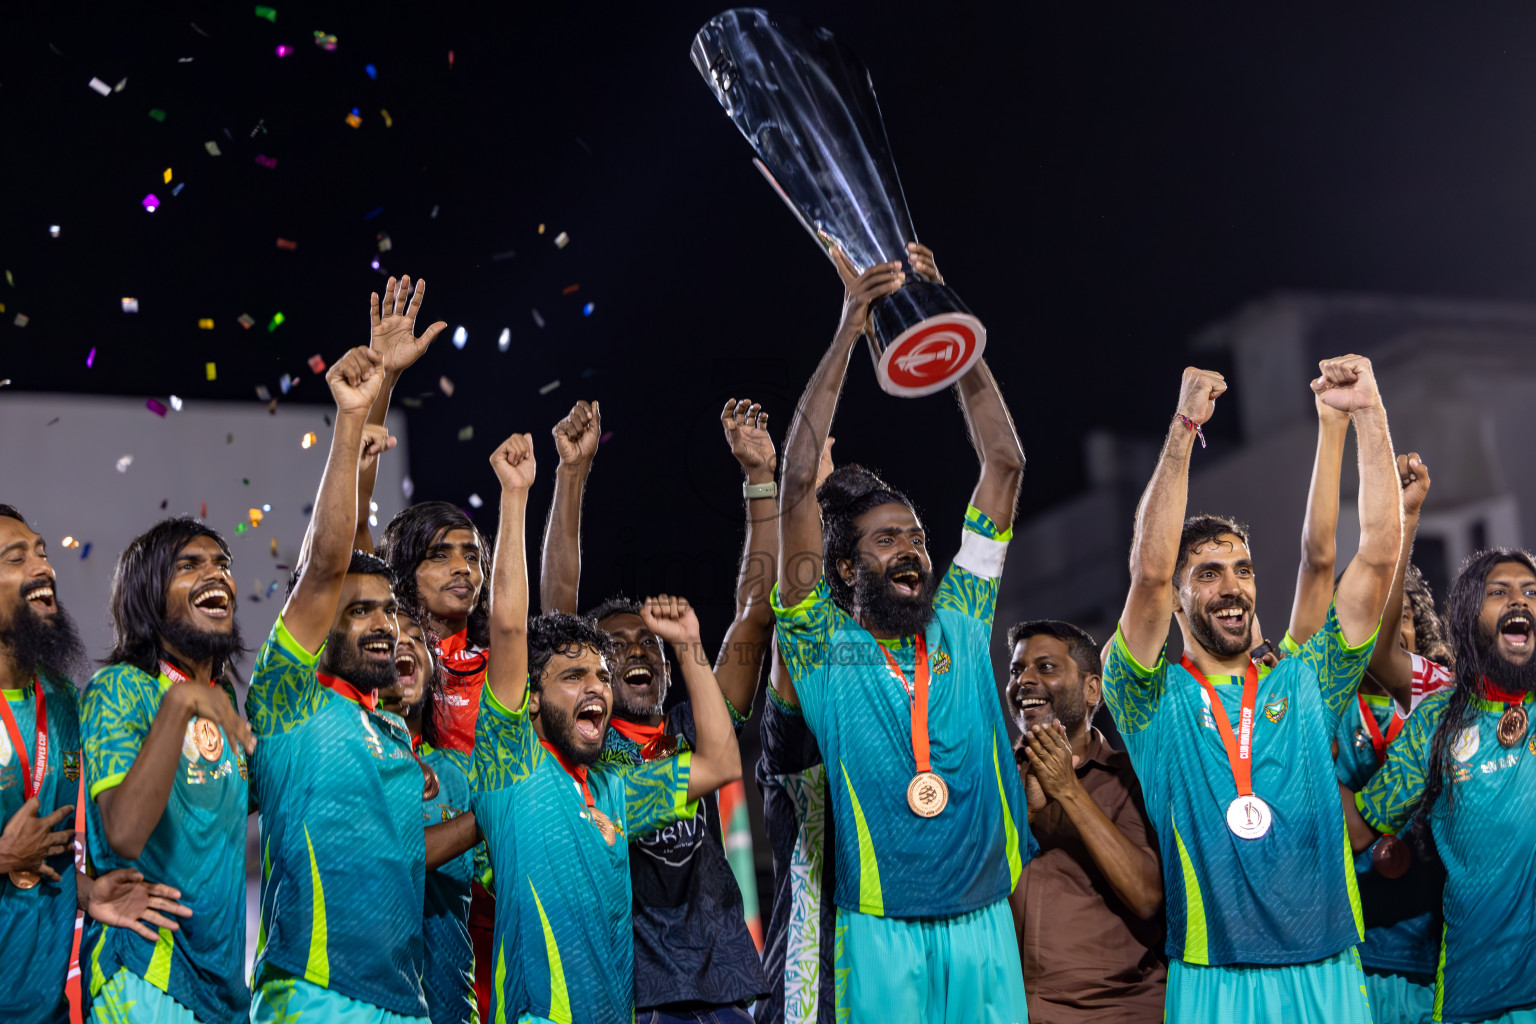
column 72, row 765
column 941, row 663
column 1275, row 710
column 1531, row 746
column 1466, row 744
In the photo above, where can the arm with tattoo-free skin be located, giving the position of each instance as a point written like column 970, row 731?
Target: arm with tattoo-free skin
column 122, row 899
column 778, row 675
column 1314, row 576
column 1348, row 383
column 1160, row 521
column 1392, row 665
column 507, row 669
column 716, row 758
column 30, row 838
column 739, row 665
column 560, row 556
column 452, row 838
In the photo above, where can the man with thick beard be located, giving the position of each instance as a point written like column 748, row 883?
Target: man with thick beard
column 342, row 850
column 557, row 820
column 1262, row 910
column 892, row 673
column 1468, row 754
column 166, row 773
column 40, row 890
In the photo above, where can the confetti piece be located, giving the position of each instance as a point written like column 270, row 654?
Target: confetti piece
column 446, row 385
column 120, row 86
column 538, row 318
column 588, row 308
column 562, row 240
column 9, row 280
column 354, row 120
column 286, row 383
column 385, row 243
column 433, row 214
column 275, row 322
column 408, row 488
column 505, row 341
column 212, row 148
column 272, row 589
column 283, row 49
column 5, row 383
column 260, row 129
column 124, row 462
column 541, row 229
column 53, row 229
column 274, row 552
column 507, row 254
column 130, row 305
column 271, row 409
column 90, row 357
column 101, row 87
column 283, row 243
column 606, row 435
column 211, row 370
column 245, row 320
column 467, row 433
column 167, row 175
column 22, row 320
column 54, row 420
column 151, row 202
column 263, row 392
column 547, row 388
column 570, row 289
column 460, row 338
column 270, row 13
column 156, row 407
column 308, row 440
column 325, row 41
column 411, row 402
column 389, row 122
column 266, row 161
column 205, row 324
column 450, row 60
column 158, row 115
column 240, row 528
column 69, row 542
column 475, row 501
column 316, row 364
column 255, row 516
column 85, row 552
column 179, row 186
column 176, row 403
column 370, row 71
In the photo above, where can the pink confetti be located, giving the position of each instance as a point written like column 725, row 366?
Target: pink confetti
column 151, row 202
column 283, row 243
column 90, row 359
column 450, row 59
column 316, row 363
column 283, row 51
column 266, row 161
column 606, row 435
column 156, row 408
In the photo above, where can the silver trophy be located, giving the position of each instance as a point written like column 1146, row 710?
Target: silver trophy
column 807, row 105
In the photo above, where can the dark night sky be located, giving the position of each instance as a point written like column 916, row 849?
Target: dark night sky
column 1098, row 183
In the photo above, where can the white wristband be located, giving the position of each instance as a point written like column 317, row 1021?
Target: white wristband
column 767, row 490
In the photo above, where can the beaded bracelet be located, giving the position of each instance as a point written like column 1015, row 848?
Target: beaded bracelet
column 1192, row 425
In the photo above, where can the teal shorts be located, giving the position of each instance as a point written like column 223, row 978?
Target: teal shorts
column 1330, row 991
column 286, row 1000
column 1400, row 998
column 960, row 970
column 1522, row 1015
column 127, row 998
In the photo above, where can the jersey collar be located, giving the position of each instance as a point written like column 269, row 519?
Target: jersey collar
column 369, row 700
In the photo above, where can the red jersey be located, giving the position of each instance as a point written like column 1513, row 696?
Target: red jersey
column 463, row 673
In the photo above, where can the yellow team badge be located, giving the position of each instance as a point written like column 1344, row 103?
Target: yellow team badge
column 1275, row 710
column 940, row 663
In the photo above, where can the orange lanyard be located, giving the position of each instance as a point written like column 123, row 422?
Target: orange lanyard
column 918, row 692
column 1240, row 746
column 31, row 776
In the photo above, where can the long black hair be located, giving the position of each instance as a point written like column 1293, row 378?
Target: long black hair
column 848, row 492
column 1463, row 606
column 406, row 542
column 1428, row 627
column 144, row 572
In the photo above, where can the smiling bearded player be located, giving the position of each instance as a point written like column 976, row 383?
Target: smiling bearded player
column 166, row 772
column 1263, row 914
column 1468, row 754
column 342, row 847
column 891, row 670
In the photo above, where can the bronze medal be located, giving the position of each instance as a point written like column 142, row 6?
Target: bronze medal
column 604, row 825
column 25, row 879
column 1390, row 857
column 927, row 794
column 430, row 784
column 1513, row 725
column 210, row 742
column 662, row 746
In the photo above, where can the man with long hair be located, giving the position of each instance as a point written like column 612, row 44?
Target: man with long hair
column 40, row 890
column 166, row 773
column 1468, row 756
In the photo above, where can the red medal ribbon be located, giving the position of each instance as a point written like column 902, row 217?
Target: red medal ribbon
column 651, row 739
column 369, row 700
column 1240, row 746
column 31, row 776
column 1379, row 742
column 919, row 694
column 176, row 675
column 579, row 774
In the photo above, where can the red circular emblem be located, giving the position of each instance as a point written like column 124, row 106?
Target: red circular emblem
column 933, row 355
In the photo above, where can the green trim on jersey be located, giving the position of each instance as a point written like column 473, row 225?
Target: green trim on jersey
column 871, row 899
column 1196, row 947
column 559, row 995
column 318, row 970
column 159, row 972
column 1010, row 830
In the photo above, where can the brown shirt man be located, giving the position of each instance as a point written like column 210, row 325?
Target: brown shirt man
column 1087, row 957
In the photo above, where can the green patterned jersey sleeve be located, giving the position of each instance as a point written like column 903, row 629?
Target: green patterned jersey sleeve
column 970, row 585
column 656, row 793
column 117, row 719
column 804, row 632
column 284, row 689
column 505, row 744
column 1338, row 666
column 1393, row 793
column 1132, row 690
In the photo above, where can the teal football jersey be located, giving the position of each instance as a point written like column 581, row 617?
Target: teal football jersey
column 1482, row 828
column 449, row 979
column 343, row 857
column 1289, row 896
column 563, row 946
column 890, row 861
column 37, row 925
column 198, row 847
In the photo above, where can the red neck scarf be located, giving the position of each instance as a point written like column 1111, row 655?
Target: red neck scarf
column 1492, row 691
column 641, row 734
column 577, row 773
column 369, row 700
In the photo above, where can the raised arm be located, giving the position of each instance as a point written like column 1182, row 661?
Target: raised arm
column 1160, row 520
column 1314, row 576
column 1349, row 384
column 739, row 666
column 1392, row 665
column 507, row 671
column 576, row 439
column 716, row 758
column 355, row 381
column 799, row 562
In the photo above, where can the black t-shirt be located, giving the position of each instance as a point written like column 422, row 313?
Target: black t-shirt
column 691, row 938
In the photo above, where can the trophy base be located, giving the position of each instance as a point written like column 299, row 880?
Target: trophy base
column 924, row 340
